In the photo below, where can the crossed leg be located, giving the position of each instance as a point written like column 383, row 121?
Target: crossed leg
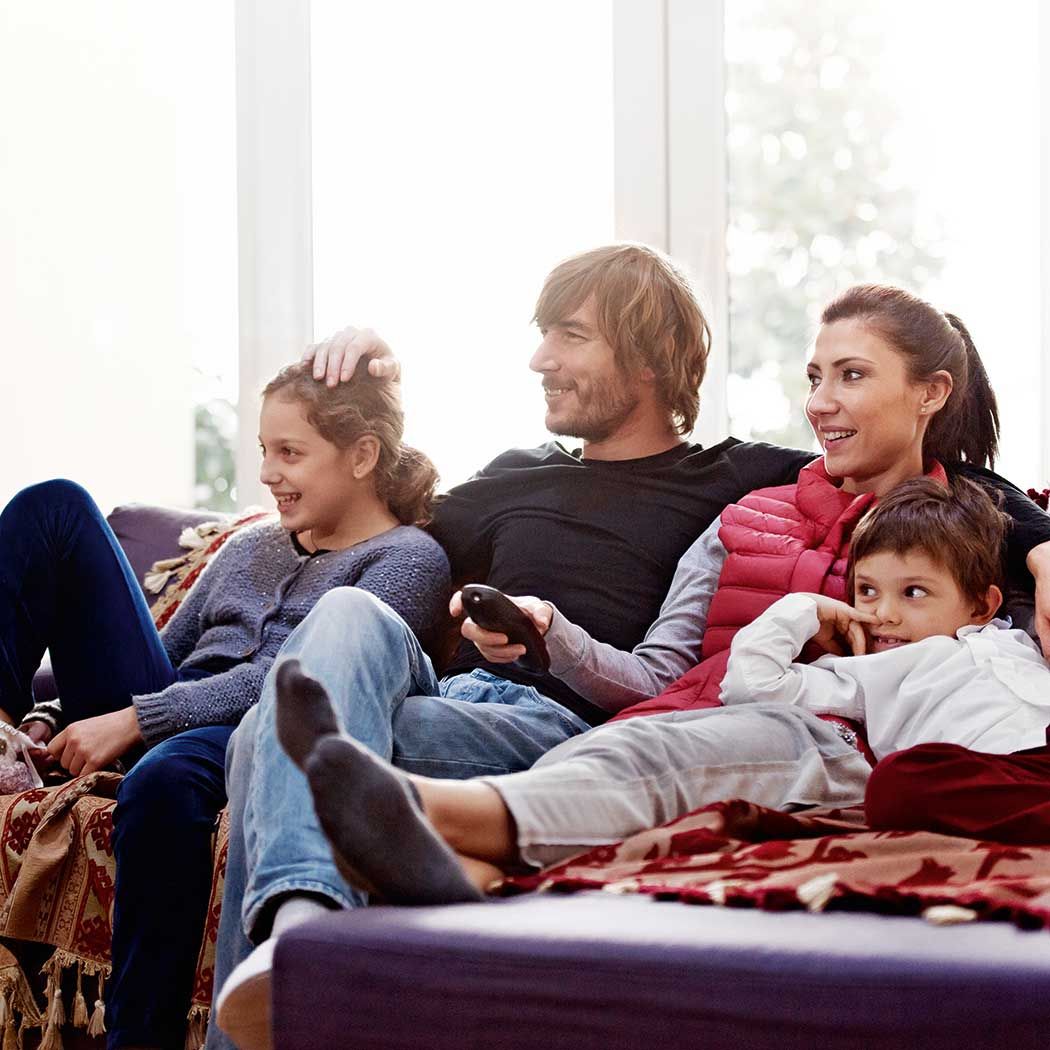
column 407, row 839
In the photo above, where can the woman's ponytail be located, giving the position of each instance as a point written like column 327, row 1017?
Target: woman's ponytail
column 967, row 428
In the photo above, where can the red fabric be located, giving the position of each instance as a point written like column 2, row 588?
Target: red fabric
column 947, row 788
column 740, row 854
column 778, row 541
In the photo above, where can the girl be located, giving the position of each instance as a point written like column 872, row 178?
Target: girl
column 350, row 496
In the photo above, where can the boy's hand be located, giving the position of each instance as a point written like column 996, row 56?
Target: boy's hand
column 336, row 357
column 840, row 626
column 493, row 645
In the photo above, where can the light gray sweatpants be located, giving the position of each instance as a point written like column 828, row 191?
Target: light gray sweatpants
column 629, row 776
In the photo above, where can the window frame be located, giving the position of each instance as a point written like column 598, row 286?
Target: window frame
column 671, row 188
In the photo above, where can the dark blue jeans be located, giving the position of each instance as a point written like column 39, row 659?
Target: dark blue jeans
column 66, row 586
column 162, row 834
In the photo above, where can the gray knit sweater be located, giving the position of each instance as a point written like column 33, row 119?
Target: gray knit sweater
column 251, row 596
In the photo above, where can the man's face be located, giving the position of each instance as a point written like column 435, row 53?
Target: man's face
column 913, row 597
column 589, row 396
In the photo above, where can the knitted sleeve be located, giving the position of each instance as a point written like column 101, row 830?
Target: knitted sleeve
column 413, row 579
column 411, row 576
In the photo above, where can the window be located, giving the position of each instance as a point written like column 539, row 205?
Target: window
column 118, row 235
column 892, row 142
column 459, row 152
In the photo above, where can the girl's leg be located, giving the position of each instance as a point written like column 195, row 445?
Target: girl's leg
column 162, row 840
column 66, row 586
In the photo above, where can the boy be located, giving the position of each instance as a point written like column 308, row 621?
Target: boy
column 929, row 664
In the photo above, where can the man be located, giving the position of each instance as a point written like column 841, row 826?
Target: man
column 597, row 532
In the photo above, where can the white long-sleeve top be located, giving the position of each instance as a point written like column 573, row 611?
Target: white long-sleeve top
column 988, row 689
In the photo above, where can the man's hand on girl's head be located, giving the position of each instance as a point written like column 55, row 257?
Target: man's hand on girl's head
column 840, row 627
column 335, row 358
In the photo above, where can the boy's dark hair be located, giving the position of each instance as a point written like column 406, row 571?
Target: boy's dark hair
column 958, row 526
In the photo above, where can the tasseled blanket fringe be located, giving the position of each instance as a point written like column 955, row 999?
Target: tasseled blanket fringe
column 16, row 998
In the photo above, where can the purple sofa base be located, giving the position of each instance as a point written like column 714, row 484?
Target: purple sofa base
column 602, row 972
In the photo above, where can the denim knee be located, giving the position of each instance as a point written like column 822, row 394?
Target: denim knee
column 47, row 494
column 173, row 787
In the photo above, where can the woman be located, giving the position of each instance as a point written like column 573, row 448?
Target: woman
column 896, row 390
column 350, row 496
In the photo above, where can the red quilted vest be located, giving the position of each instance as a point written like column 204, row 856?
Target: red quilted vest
column 778, row 541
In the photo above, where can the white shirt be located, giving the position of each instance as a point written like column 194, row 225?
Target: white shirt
column 987, row 689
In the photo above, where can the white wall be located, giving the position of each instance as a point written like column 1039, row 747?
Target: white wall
column 117, row 238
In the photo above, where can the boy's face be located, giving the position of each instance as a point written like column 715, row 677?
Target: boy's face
column 914, row 597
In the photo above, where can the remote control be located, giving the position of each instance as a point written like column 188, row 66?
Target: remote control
column 494, row 611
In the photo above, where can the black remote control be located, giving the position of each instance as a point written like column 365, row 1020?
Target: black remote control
column 493, row 610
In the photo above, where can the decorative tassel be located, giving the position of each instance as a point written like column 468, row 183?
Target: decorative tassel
column 7, row 1019
column 196, row 1032
column 97, row 1024
column 80, row 1010
column 52, row 1039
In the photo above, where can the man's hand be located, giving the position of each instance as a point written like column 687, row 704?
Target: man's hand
column 336, row 357
column 1039, row 566
column 93, row 743
column 493, row 645
column 840, row 625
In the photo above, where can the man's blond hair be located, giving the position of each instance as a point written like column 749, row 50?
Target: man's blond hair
column 646, row 311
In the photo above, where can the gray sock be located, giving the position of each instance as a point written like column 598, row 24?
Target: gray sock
column 304, row 712
column 380, row 837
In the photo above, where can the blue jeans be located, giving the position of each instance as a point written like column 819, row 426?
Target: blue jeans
column 386, row 693
column 65, row 586
column 162, row 838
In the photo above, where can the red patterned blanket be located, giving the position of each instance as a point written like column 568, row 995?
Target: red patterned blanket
column 736, row 853
column 56, row 888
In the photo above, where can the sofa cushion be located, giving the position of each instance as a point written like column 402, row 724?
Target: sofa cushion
column 599, row 971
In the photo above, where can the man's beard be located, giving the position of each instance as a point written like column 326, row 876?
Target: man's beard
column 607, row 407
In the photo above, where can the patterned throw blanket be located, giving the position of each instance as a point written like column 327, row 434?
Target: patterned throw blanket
column 736, row 853
column 56, row 888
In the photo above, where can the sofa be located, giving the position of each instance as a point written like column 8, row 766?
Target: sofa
column 568, row 965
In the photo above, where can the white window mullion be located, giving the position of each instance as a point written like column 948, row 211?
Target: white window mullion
column 670, row 157
column 275, row 253
column 1044, row 247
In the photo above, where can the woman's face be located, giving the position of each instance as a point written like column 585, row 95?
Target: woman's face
column 867, row 412
column 311, row 479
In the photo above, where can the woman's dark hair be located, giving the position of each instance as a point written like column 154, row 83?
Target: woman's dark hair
column 958, row 526
column 967, row 427
column 405, row 479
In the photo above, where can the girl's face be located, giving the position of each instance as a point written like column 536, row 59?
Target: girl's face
column 311, row 479
column 867, row 412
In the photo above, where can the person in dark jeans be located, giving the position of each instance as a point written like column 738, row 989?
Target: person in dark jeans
column 350, row 497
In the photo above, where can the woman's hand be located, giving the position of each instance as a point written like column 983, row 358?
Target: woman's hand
column 840, row 625
column 93, row 743
column 492, row 644
column 336, row 357
column 1039, row 566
